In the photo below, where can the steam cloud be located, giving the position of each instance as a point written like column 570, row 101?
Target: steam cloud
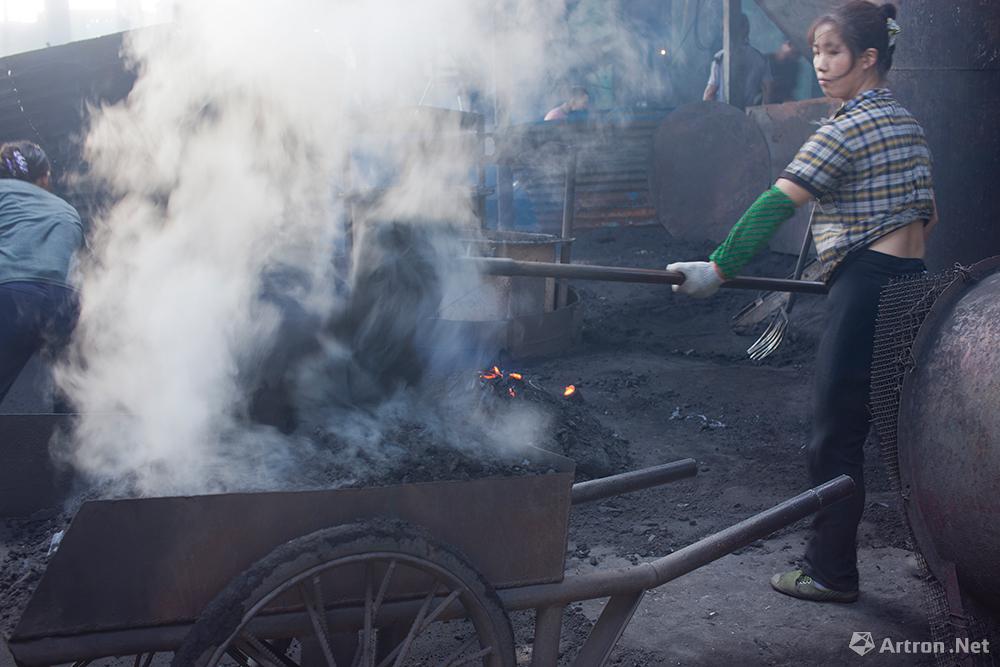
column 227, row 166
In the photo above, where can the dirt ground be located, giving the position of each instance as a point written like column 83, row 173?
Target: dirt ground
column 661, row 378
column 668, row 374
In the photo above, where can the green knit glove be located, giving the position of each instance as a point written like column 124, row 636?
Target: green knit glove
column 752, row 231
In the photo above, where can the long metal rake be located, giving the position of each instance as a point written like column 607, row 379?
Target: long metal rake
column 774, row 335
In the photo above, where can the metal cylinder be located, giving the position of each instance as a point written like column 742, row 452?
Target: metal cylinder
column 949, row 436
column 947, row 73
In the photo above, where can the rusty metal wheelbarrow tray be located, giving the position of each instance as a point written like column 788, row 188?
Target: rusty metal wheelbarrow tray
column 138, row 572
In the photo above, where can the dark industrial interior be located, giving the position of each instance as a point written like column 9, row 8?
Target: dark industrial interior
column 374, row 366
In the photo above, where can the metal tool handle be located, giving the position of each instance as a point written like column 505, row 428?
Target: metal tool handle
column 635, row 480
column 500, row 266
column 800, row 262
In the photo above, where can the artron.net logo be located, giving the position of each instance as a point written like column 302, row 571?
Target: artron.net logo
column 862, row 642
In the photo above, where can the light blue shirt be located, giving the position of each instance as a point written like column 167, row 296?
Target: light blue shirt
column 39, row 234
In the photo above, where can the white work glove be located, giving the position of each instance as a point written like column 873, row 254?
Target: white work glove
column 701, row 279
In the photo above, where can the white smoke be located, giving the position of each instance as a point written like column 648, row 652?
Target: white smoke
column 227, row 165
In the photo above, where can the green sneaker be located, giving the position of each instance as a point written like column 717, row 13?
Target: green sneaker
column 800, row 585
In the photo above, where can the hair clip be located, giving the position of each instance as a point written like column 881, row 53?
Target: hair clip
column 22, row 164
column 893, row 29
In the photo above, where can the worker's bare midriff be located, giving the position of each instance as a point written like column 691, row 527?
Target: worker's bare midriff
column 904, row 242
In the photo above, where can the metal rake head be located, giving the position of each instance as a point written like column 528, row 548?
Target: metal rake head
column 772, row 337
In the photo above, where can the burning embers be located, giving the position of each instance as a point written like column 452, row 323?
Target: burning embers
column 513, row 385
column 503, row 384
column 572, row 393
column 508, row 396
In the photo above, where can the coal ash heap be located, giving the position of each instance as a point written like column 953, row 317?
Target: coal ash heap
column 366, row 388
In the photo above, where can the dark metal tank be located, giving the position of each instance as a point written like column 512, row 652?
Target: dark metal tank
column 949, row 436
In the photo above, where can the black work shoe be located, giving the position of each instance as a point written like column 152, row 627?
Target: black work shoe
column 800, row 585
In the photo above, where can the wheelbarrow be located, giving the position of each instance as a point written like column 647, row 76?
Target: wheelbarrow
column 412, row 574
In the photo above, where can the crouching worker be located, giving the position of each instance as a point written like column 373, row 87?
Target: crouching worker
column 39, row 236
column 869, row 168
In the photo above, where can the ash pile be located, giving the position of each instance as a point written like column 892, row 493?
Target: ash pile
column 381, row 391
column 376, row 395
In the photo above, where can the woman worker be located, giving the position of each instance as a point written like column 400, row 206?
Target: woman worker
column 39, row 236
column 869, row 169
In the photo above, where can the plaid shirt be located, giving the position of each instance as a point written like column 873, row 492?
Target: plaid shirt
column 869, row 169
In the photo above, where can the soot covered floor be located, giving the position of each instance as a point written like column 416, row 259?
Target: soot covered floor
column 667, row 374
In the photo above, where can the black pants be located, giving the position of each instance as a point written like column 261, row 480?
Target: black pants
column 841, row 418
column 32, row 315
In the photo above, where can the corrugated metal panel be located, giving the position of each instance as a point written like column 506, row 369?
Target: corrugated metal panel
column 612, row 179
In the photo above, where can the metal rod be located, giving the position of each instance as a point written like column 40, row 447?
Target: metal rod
column 608, row 630
column 656, row 573
column 749, row 530
column 501, row 266
column 569, row 210
column 481, row 170
column 505, row 197
column 732, row 66
column 59, row 650
column 800, row 261
column 636, row 480
column 548, row 630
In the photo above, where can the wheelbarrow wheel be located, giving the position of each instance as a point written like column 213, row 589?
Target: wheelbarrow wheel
column 367, row 594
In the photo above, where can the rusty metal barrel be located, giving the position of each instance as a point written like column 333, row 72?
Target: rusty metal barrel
column 949, row 435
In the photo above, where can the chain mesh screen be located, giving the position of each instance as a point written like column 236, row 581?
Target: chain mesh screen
column 903, row 307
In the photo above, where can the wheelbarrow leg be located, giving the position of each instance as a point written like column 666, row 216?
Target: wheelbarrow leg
column 548, row 630
column 609, row 627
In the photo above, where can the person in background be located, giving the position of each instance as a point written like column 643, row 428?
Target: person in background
column 579, row 101
column 869, row 169
column 40, row 235
column 784, row 64
column 756, row 73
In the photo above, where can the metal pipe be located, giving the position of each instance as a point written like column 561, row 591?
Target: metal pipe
column 608, row 630
column 569, row 210
column 636, row 480
column 481, row 171
column 500, row 266
column 59, row 650
column 732, row 65
column 749, row 530
column 603, row 584
column 548, row 630
column 505, row 197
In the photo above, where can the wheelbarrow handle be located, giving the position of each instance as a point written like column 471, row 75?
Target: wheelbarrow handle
column 635, row 480
column 644, row 576
column 502, row 266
